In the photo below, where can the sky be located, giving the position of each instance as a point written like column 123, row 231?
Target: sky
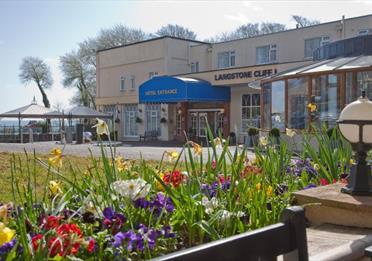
column 49, row 29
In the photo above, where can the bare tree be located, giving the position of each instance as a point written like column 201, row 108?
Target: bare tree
column 303, row 21
column 268, row 27
column 35, row 70
column 79, row 74
column 176, row 31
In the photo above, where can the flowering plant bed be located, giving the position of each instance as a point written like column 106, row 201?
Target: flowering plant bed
column 122, row 209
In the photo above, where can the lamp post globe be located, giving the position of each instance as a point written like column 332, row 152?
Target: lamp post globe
column 355, row 124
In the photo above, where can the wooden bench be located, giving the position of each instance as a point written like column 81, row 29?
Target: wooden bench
column 286, row 238
column 153, row 134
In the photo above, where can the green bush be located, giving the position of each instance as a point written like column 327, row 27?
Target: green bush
column 274, row 132
column 253, row 131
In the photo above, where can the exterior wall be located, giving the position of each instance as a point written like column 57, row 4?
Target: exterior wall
column 290, row 43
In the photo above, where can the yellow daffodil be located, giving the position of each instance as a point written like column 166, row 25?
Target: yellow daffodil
column 269, row 191
column 56, row 160
column 158, row 184
column 352, row 161
column 3, row 213
column 54, row 188
column 101, row 127
column 121, row 164
column 6, row 234
column 312, row 107
column 290, row 133
column 264, row 141
column 316, row 167
column 197, row 148
column 172, row 155
column 258, row 186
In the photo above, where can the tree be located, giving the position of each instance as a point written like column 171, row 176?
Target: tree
column 35, row 70
column 268, row 28
column 303, row 21
column 77, row 72
column 176, row 31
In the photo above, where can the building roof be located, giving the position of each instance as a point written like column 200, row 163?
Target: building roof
column 32, row 110
column 78, row 112
column 326, row 66
column 153, row 39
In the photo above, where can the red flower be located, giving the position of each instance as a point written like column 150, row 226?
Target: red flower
column 55, row 246
column 36, row 240
column 52, row 222
column 176, row 178
column 323, row 182
column 91, row 245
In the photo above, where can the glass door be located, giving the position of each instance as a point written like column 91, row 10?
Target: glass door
column 203, row 124
column 130, row 125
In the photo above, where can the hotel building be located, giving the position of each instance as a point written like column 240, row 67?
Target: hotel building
column 172, row 86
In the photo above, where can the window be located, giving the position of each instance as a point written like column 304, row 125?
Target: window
column 153, row 117
column 313, row 43
column 133, row 82
column 266, row 54
column 297, row 103
column 122, row 84
column 178, row 124
column 195, row 67
column 130, row 125
column 365, row 31
column 250, row 111
column 226, row 59
column 325, row 96
column 152, row 74
column 278, row 105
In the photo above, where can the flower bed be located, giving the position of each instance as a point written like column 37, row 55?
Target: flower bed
column 133, row 210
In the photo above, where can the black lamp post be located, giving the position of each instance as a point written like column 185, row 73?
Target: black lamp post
column 355, row 124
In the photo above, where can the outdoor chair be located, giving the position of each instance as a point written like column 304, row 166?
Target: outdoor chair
column 287, row 238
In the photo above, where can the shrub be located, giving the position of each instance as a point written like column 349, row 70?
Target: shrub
column 253, row 131
column 274, row 132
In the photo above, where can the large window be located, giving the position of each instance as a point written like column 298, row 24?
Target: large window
column 250, row 111
column 153, row 117
column 266, row 99
column 226, row 59
column 364, row 82
column 278, row 105
column 325, row 96
column 297, row 103
column 130, row 125
column 313, row 43
column 266, row 54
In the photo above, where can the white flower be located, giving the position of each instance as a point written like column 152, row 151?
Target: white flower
column 210, row 205
column 225, row 216
column 132, row 189
column 277, row 118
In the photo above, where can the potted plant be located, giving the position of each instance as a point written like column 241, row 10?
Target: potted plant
column 274, row 134
column 252, row 136
column 138, row 120
column 163, row 120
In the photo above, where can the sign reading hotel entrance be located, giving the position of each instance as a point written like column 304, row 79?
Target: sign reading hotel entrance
column 161, row 92
column 246, row 74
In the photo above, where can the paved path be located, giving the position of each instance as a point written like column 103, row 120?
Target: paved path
column 127, row 151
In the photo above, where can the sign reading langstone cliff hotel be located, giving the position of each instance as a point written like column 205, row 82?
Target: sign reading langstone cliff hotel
column 170, row 86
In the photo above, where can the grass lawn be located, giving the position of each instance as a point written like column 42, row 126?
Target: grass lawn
column 81, row 163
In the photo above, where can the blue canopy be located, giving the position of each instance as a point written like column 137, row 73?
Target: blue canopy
column 169, row 89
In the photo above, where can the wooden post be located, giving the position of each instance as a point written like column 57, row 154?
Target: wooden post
column 309, row 100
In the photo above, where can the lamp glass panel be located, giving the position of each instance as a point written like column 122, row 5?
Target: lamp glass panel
column 367, row 134
column 350, row 132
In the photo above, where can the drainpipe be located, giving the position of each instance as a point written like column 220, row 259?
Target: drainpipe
column 343, row 27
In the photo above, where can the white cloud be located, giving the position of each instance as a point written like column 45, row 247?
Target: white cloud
column 240, row 17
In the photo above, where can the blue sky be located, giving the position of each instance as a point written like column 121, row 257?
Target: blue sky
column 49, row 29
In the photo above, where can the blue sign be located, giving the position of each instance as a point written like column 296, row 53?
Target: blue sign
column 169, row 89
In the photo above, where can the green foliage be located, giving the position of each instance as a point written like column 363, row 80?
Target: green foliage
column 274, row 132
column 253, row 131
